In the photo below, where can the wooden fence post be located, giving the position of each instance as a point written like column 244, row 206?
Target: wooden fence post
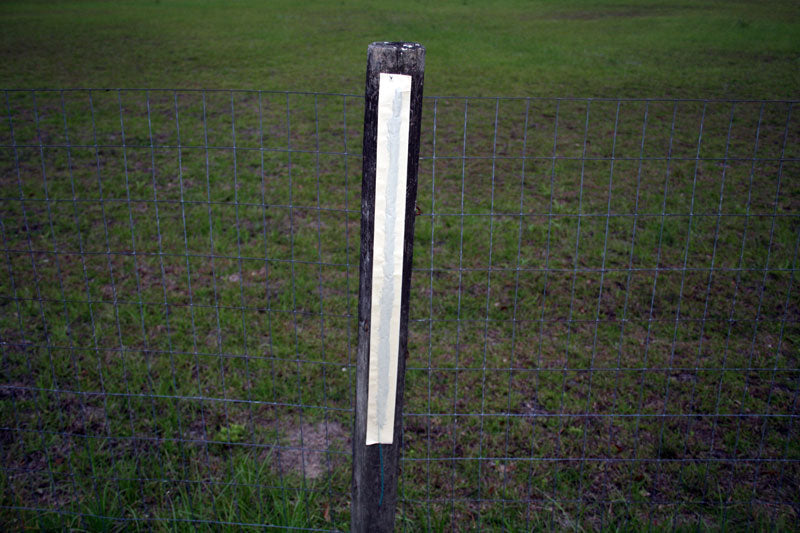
column 376, row 466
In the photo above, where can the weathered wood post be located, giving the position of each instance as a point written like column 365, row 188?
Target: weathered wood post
column 392, row 116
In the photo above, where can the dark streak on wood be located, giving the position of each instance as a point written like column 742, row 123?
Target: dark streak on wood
column 370, row 512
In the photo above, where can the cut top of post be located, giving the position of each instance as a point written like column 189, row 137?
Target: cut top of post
column 396, row 57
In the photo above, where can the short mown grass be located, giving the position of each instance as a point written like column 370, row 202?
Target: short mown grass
column 604, row 317
column 581, row 48
column 590, row 346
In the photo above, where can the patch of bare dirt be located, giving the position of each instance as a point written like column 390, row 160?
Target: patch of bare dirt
column 307, row 445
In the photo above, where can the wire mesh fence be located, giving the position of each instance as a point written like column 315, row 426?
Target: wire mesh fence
column 603, row 330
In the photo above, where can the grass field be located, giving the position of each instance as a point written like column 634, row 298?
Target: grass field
column 508, row 48
column 604, row 318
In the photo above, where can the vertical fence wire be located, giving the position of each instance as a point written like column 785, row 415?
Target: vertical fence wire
column 644, row 353
column 149, row 375
column 604, row 324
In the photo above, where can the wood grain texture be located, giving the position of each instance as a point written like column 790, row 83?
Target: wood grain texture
column 375, row 495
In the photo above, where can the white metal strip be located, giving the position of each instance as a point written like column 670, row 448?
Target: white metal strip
column 394, row 110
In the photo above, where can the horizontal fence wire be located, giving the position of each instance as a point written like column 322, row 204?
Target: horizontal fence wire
column 604, row 327
column 178, row 307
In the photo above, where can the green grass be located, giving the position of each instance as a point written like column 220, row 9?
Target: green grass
column 121, row 412
column 477, row 48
